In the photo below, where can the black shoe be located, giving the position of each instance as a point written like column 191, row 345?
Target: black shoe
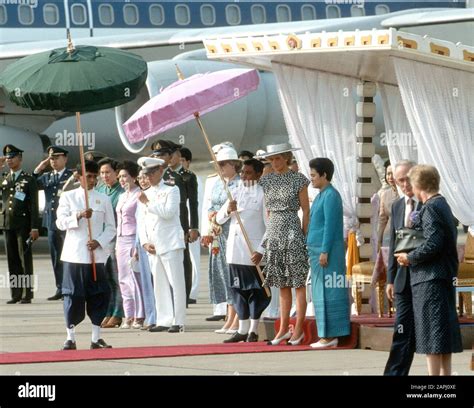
column 25, row 301
column 192, row 301
column 13, row 301
column 215, row 318
column 157, row 329
column 236, row 338
column 100, row 344
column 57, row 296
column 252, row 337
column 175, row 329
column 69, row 345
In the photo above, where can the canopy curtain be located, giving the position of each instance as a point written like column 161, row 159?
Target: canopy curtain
column 398, row 136
column 319, row 112
column 439, row 105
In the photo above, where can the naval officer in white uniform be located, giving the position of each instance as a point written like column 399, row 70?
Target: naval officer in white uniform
column 162, row 236
column 81, row 292
column 250, row 299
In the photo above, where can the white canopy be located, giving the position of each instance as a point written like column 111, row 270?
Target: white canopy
column 432, row 105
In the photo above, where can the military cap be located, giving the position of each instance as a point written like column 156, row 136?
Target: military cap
column 164, row 146
column 11, row 151
column 57, row 151
column 149, row 164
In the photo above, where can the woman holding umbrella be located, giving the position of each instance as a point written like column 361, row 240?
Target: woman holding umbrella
column 285, row 254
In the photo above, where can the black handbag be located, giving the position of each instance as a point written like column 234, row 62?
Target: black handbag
column 408, row 239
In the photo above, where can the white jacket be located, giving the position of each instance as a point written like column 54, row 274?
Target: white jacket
column 251, row 207
column 102, row 223
column 206, row 203
column 158, row 221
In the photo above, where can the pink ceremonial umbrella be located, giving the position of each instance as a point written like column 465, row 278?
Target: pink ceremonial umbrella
column 188, row 99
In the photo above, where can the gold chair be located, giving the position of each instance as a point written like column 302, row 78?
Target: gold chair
column 361, row 275
column 466, row 277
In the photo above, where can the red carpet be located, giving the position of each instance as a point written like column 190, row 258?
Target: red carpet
column 159, row 351
column 374, row 320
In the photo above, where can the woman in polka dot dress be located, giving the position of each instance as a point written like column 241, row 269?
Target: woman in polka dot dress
column 285, row 257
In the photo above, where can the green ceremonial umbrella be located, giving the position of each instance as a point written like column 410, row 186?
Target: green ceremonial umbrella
column 81, row 79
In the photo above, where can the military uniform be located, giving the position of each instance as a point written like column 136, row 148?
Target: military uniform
column 186, row 181
column 53, row 183
column 18, row 217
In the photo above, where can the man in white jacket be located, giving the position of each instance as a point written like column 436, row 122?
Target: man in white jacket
column 82, row 292
column 250, row 299
column 162, row 236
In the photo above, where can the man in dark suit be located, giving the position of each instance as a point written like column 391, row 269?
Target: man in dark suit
column 398, row 278
column 52, row 183
column 186, row 181
column 19, row 221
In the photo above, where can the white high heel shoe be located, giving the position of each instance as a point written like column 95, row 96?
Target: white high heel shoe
column 332, row 343
column 277, row 341
column 297, row 341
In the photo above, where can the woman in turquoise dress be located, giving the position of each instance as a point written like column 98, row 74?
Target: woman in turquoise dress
column 325, row 243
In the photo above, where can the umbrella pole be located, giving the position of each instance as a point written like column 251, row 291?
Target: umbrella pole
column 86, row 194
column 229, row 196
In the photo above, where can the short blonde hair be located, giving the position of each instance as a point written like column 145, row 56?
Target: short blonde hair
column 425, row 177
column 236, row 164
column 288, row 156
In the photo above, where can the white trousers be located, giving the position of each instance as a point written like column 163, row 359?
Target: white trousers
column 170, row 289
column 195, row 253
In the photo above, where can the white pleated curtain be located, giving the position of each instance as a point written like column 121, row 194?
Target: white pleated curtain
column 320, row 117
column 398, row 136
column 439, row 105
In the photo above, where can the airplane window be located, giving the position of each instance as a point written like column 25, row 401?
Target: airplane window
column 258, row 14
column 232, row 15
column 51, row 14
column 78, row 14
column 3, row 14
column 333, row 12
column 106, row 14
column 357, row 11
column 157, row 14
column 208, row 14
column 308, row 12
column 181, row 14
column 25, row 14
column 130, row 14
column 381, row 9
column 283, row 13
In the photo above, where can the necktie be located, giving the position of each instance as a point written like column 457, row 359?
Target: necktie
column 409, row 210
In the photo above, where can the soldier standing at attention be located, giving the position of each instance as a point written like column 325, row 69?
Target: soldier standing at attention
column 19, row 221
column 52, row 182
